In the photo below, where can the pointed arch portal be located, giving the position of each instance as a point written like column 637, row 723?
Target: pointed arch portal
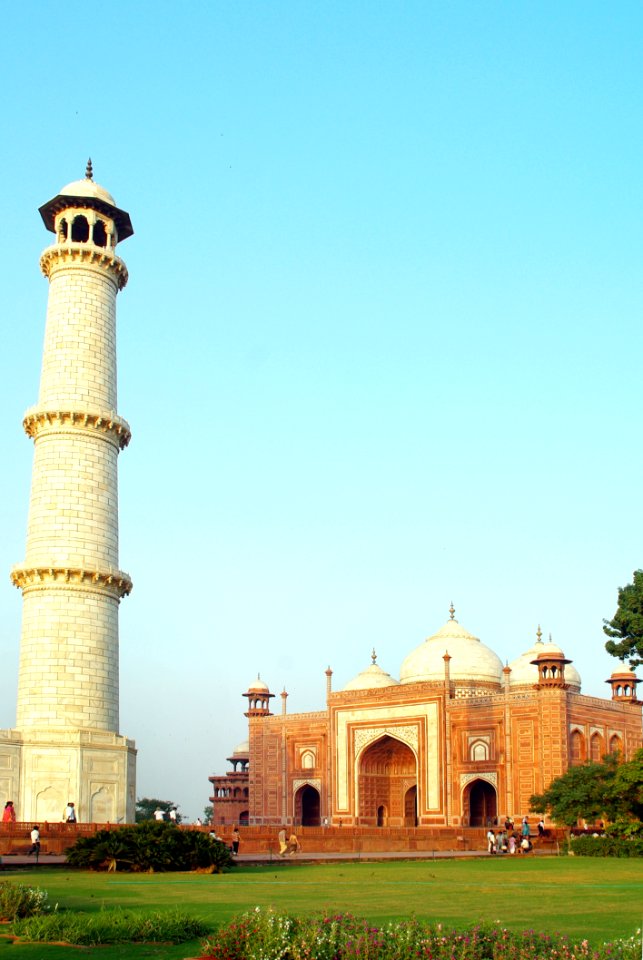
column 481, row 802
column 387, row 784
column 307, row 806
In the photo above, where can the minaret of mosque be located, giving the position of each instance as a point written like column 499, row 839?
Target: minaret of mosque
column 71, row 582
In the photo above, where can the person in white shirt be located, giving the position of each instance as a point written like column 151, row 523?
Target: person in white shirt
column 35, row 840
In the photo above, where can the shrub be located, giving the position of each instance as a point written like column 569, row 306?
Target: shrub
column 150, row 846
column 18, row 900
column 110, row 926
column 266, row 935
column 623, row 838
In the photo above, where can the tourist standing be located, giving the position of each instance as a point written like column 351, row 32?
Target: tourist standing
column 491, row 841
column 70, row 813
column 236, row 840
column 9, row 814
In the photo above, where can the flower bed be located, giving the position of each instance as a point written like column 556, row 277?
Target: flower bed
column 267, row 935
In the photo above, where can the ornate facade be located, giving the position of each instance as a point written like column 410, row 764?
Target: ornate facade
column 458, row 740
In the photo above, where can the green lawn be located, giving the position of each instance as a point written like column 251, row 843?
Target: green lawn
column 597, row 899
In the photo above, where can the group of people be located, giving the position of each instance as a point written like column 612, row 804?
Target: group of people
column 508, row 840
column 160, row 815
column 234, row 843
column 9, row 813
column 290, row 845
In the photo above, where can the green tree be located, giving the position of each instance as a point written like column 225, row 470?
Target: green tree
column 208, row 813
column 146, row 806
column 582, row 792
column 594, row 790
column 627, row 623
column 626, row 790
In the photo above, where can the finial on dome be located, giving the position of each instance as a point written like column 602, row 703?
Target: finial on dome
column 539, row 635
column 89, row 170
column 452, row 611
column 550, row 639
column 373, row 655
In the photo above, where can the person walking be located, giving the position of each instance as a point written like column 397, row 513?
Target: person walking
column 9, row 814
column 70, row 813
column 283, row 846
column 35, row 841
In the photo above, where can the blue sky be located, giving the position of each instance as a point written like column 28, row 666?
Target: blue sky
column 381, row 344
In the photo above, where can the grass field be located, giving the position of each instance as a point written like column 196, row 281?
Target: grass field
column 597, row 899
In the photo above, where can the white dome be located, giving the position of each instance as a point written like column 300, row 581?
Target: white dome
column 258, row 686
column 524, row 672
column 371, row 678
column 87, row 188
column 242, row 749
column 470, row 659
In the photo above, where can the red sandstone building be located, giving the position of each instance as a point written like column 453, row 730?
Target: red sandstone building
column 458, row 740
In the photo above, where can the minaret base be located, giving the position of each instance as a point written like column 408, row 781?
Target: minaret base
column 41, row 770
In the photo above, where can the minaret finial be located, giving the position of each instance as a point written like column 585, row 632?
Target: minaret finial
column 539, row 635
column 89, row 171
column 373, row 655
column 452, row 611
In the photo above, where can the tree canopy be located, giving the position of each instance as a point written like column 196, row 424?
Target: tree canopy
column 593, row 790
column 626, row 626
column 146, row 806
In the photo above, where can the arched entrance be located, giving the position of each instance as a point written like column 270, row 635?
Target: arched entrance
column 480, row 798
column 307, row 806
column 387, row 773
column 411, row 807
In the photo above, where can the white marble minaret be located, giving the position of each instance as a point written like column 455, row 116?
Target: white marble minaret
column 66, row 745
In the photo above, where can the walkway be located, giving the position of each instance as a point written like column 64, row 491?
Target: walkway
column 21, row 860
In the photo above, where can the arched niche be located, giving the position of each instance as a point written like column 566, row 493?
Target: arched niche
column 387, row 769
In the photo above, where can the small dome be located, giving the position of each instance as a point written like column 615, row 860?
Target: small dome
column 258, row 686
column 87, row 188
column 470, row 660
column 524, row 672
column 242, row 749
column 371, row 678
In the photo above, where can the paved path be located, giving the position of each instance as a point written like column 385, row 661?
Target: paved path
column 21, row 860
